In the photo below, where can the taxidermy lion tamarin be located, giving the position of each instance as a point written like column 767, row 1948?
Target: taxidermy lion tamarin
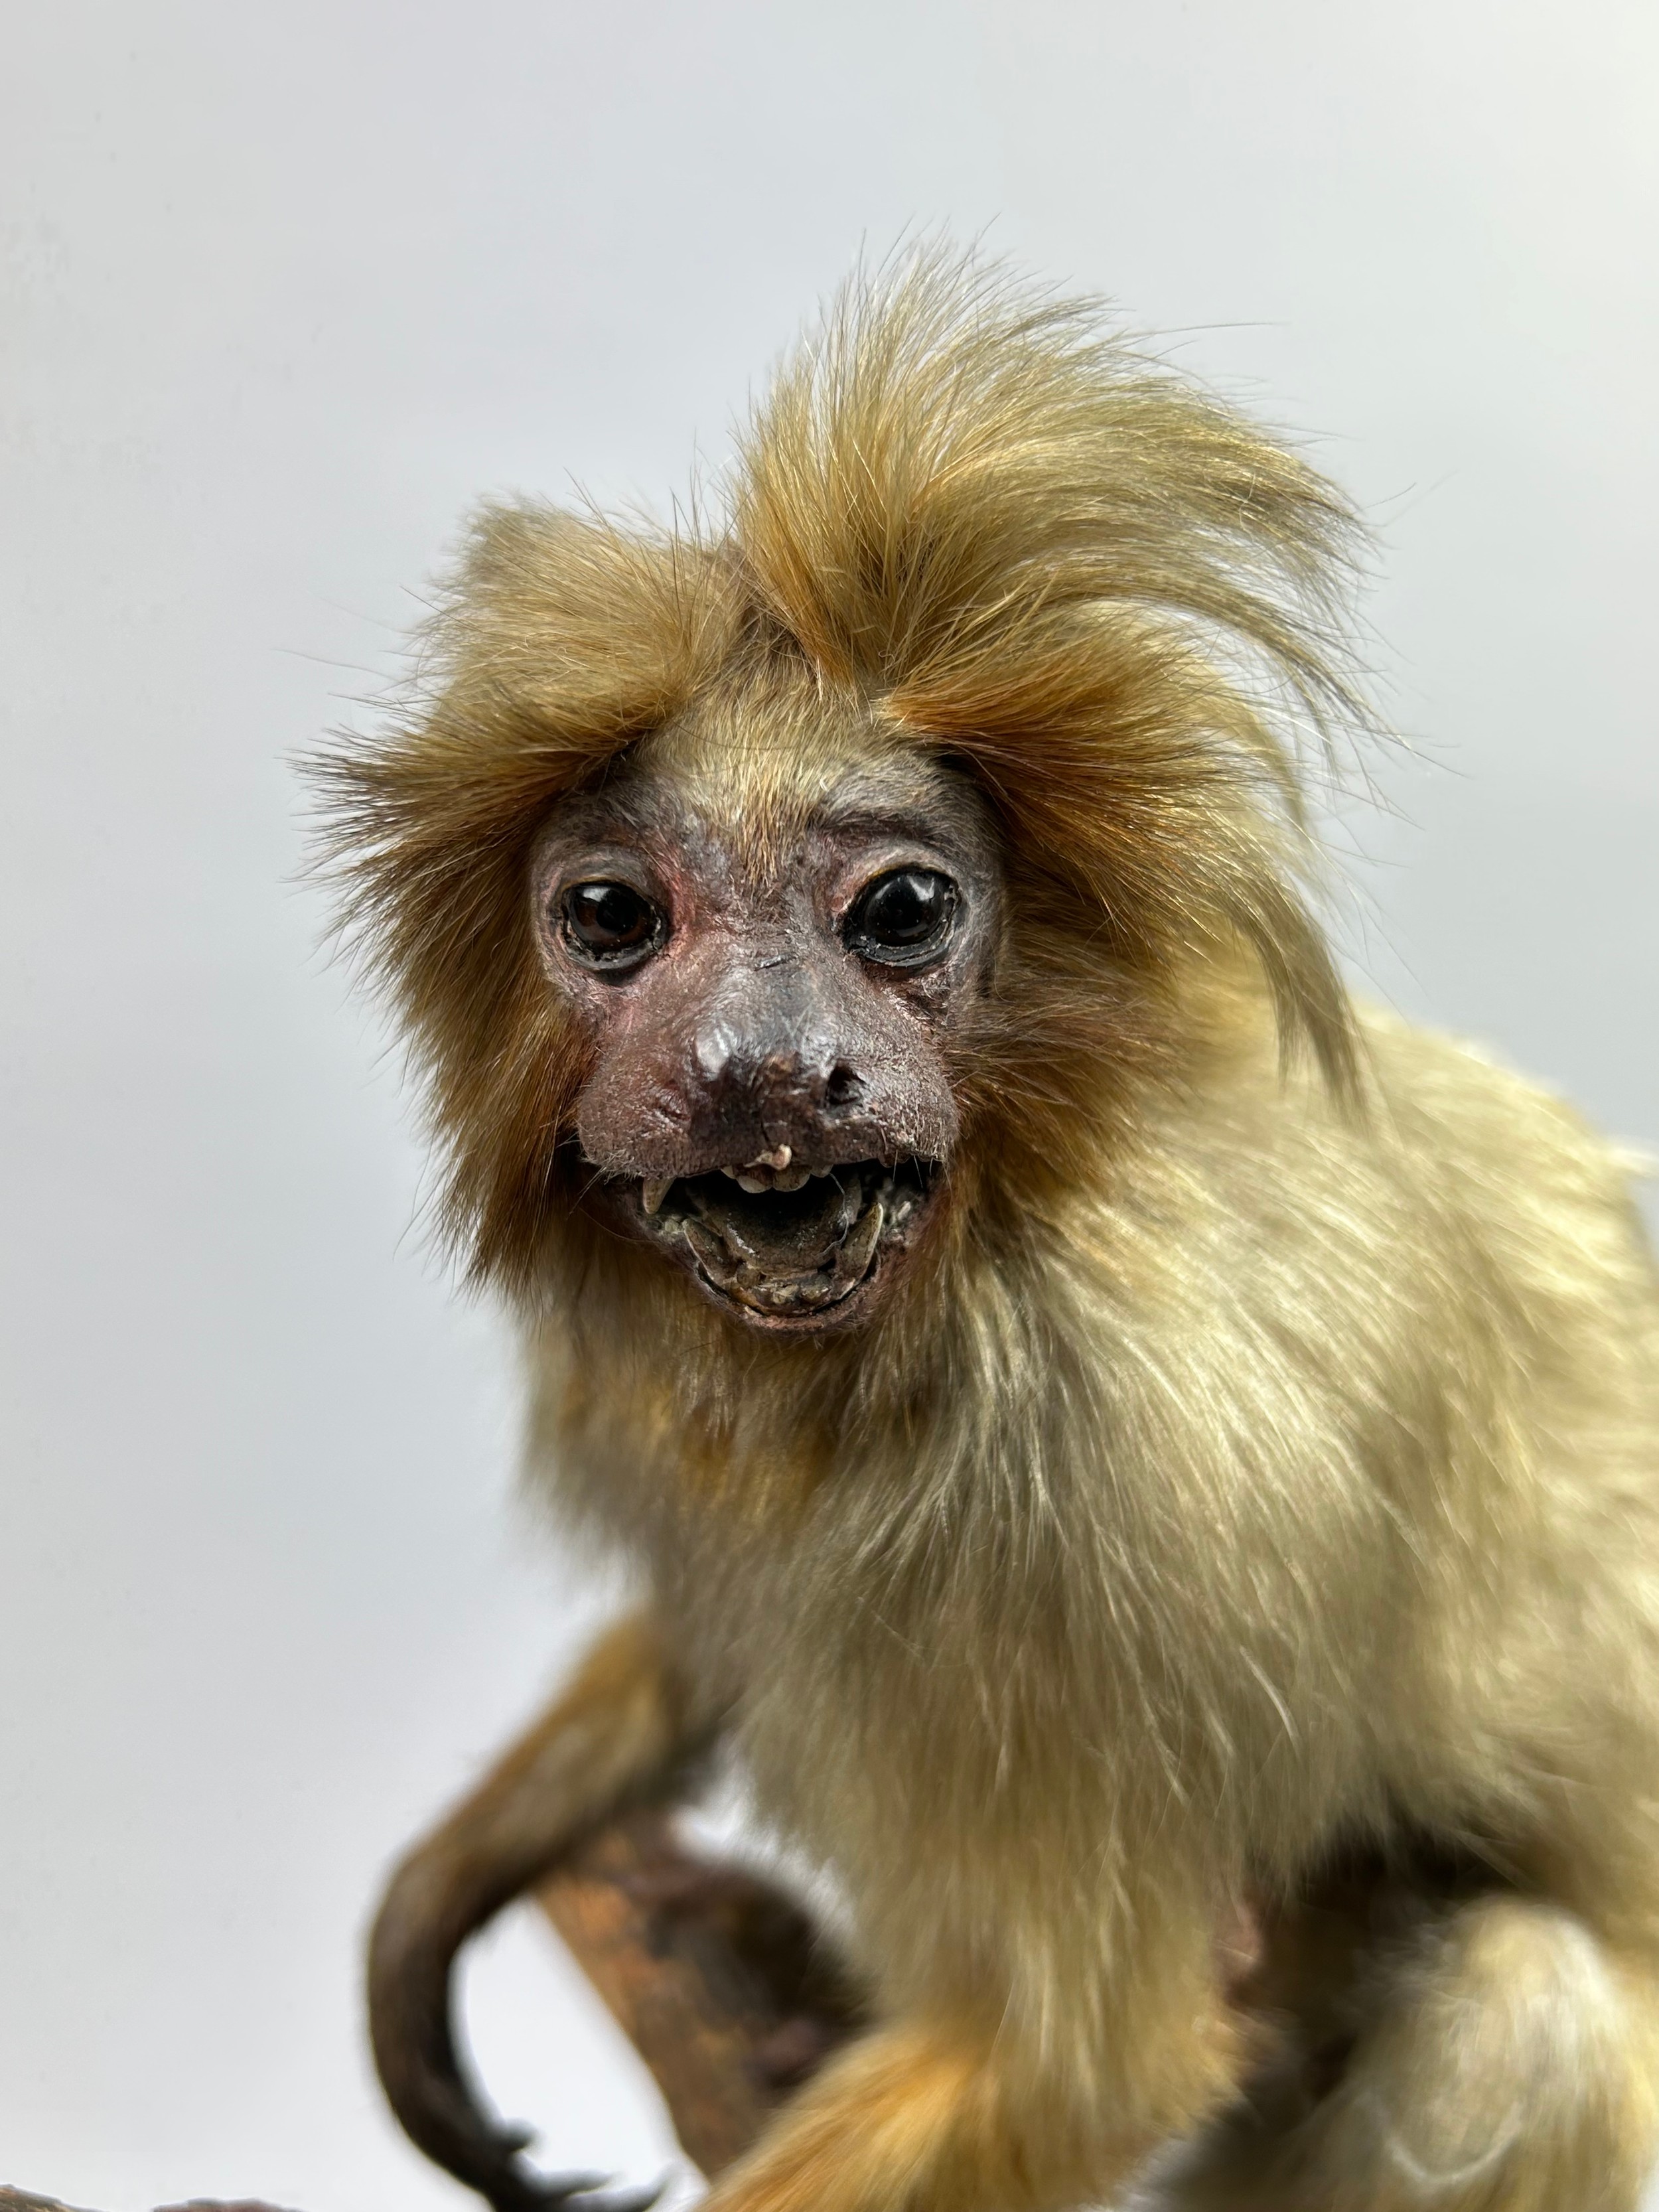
column 1154, row 1471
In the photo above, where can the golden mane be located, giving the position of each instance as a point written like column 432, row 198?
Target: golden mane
column 1009, row 537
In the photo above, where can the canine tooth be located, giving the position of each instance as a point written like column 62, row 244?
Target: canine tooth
column 655, row 1191
column 862, row 1244
column 751, row 1183
column 707, row 1248
column 794, row 1179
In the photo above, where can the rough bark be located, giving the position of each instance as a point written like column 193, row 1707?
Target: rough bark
column 19, row 2200
column 718, row 1980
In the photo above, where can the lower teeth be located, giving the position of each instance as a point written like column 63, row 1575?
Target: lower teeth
column 860, row 1248
column 730, row 1247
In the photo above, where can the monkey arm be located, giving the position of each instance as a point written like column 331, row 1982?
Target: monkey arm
column 619, row 1736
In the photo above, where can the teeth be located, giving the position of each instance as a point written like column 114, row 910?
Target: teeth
column 707, row 1248
column 819, row 1174
column 751, row 1183
column 655, row 1191
column 861, row 1243
column 779, row 1158
column 795, row 1179
column 731, row 1173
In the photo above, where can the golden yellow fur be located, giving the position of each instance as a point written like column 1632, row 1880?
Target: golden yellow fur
column 1263, row 1460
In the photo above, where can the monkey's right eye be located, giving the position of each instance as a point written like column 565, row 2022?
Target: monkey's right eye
column 610, row 925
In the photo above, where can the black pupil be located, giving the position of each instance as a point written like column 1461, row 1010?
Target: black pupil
column 906, row 908
column 609, row 917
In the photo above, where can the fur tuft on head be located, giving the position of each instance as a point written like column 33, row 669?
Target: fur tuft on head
column 1046, row 555
column 973, row 515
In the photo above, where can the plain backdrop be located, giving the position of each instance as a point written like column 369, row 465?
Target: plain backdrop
column 285, row 289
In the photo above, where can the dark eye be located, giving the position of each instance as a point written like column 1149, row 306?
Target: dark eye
column 610, row 925
column 902, row 919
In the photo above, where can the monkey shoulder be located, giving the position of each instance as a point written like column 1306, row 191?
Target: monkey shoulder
column 1450, row 1161
column 1517, row 1169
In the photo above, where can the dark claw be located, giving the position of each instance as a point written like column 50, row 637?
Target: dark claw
column 520, row 2190
column 631, row 2200
column 516, row 2189
column 637, row 2200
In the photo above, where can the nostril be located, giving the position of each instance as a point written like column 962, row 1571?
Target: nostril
column 843, row 1088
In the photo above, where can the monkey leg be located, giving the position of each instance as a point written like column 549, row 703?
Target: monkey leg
column 618, row 1736
column 937, row 2117
column 1509, row 2063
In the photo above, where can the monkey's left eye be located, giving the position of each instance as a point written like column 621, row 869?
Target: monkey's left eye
column 902, row 919
column 610, row 925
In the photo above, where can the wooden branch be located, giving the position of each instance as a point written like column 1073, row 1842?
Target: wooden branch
column 19, row 2200
column 718, row 1978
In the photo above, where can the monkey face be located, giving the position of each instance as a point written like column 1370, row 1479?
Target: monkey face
column 773, row 955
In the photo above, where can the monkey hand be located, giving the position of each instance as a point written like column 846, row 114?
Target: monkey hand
column 411, row 1956
column 410, row 1970
column 613, row 1737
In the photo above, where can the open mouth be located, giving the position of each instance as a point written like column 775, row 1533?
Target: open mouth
column 789, row 1246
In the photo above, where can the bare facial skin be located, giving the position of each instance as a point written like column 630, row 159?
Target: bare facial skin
column 771, row 987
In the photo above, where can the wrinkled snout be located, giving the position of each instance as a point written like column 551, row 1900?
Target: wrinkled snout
column 777, row 1067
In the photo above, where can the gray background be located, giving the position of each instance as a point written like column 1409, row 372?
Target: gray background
column 285, row 288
